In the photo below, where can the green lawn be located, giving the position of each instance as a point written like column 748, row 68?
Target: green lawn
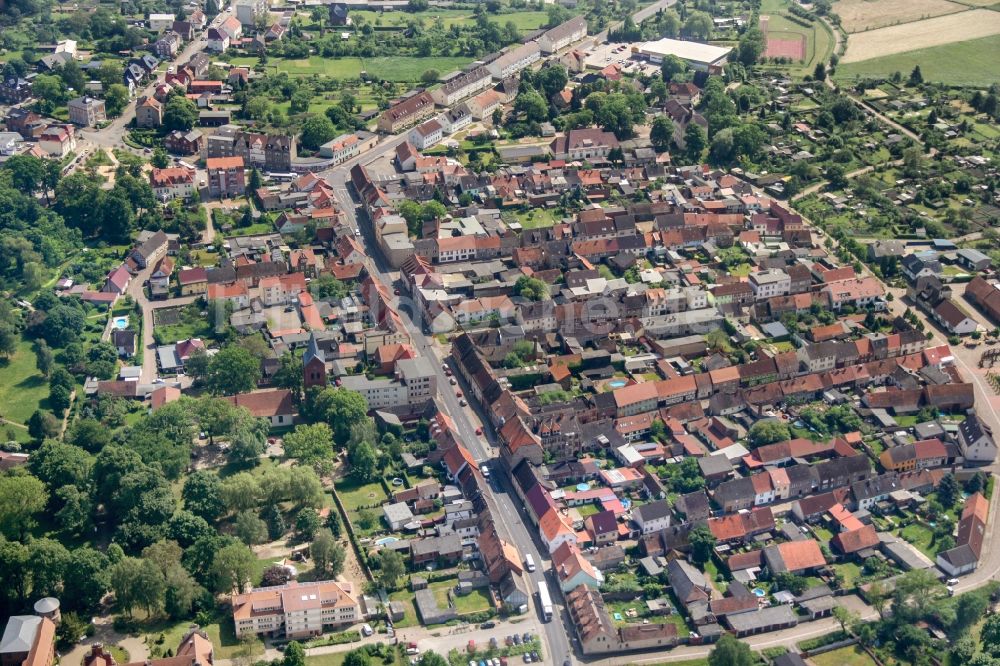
column 221, row 633
column 845, row 656
column 969, row 63
column 525, row 21
column 921, row 537
column 850, row 571
column 252, row 230
column 474, row 602
column 407, row 69
column 537, row 218
column 22, row 388
column 410, row 617
column 588, row 510
column 355, row 496
column 190, row 325
column 821, row 533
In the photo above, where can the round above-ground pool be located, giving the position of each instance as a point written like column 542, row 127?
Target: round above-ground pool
column 120, row 322
column 582, row 487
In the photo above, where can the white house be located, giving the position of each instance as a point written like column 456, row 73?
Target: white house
column 161, row 22
column 426, row 134
column 976, row 440
column 652, row 517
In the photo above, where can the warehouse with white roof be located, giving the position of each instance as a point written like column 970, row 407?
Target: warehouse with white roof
column 700, row 56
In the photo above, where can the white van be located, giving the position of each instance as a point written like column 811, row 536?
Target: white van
column 366, row 629
column 529, row 562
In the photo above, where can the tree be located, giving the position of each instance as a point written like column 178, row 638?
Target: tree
column 50, row 92
column 768, row 431
column 531, row 288
column 21, row 497
column 916, row 76
column 115, row 99
column 341, row 409
column 702, row 542
column 138, row 583
column 202, row 495
column 233, row 567
column 233, row 370
column 730, row 651
column 391, row 568
column 179, row 113
column 295, row 655
column 844, row 617
column 699, row 25
column 316, row 131
column 250, row 529
column 430, row 76
column 275, row 575
column 327, row 554
column 307, row 522
column 661, row 134
column 241, row 491
column 248, row 438
column 751, row 46
column 160, row 159
column 357, row 657
column 820, row 72
column 364, row 462
column 310, row 443
column 948, row 491
column 89, row 571
column 430, row 658
column 695, row 141
column 530, row 105
column 990, row 635
column 117, row 216
column 289, row 373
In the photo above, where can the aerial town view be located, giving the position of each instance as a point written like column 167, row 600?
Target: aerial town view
column 496, row 332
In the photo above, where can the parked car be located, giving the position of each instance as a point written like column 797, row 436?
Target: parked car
column 488, row 625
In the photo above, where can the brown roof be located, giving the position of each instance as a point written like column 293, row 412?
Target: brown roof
column 265, row 403
column 855, row 540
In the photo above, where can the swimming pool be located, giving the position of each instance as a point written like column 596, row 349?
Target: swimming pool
column 582, row 487
column 617, row 383
column 759, row 592
column 385, row 541
column 120, row 322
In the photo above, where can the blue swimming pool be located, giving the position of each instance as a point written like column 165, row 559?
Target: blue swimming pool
column 385, row 541
column 120, row 322
column 582, row 487
column 759, row 592
column 617, row 383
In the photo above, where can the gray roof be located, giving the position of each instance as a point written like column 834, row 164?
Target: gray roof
column 765, row 617
column 46, row 605
column 653, row 511
column 19, row 635
column 413, row 368
column 397, row 512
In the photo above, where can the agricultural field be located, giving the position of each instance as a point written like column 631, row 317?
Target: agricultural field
column 862, row 15
column 960, row 27
column 968, row 63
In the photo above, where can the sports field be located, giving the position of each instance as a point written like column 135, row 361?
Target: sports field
column 969, row 63
column 390, row 69
column 962, row 26
column 815, row 42
column 861, row 15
